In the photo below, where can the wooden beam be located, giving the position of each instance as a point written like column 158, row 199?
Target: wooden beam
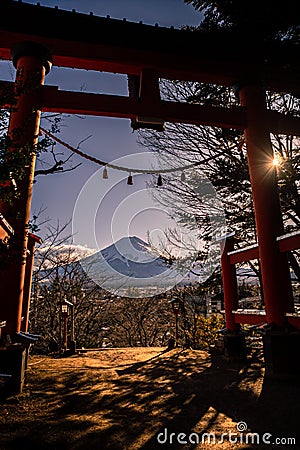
column 279, row 123
column 256, row 317
column 93, row 43
column 289, row 242
column 294, row 320
column 250, row 317
column 54, row 100
column 244, row 254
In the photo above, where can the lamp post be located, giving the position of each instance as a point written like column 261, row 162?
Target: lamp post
column 65, row 313
column 64, row 310
column 72, row 331
column 175, row 302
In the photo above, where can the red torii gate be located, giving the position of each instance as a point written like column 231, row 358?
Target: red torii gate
column 149, row 53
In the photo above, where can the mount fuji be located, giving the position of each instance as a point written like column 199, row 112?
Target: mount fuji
column 129, row 263
column 133, row 257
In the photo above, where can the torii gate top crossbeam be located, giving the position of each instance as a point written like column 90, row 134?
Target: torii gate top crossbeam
column 104, row 44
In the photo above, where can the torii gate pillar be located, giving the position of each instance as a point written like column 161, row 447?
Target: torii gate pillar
column 32, row 63
column 233, row 338
column 281, row 348
column 275, row 274
column 32, row 240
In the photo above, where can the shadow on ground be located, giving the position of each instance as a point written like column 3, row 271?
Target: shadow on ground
column 83, row 402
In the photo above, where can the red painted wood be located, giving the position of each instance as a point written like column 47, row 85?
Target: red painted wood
column 230, row 288
column 93, row 43
column 256, row 319
column 249, row 319
column 289, row 242
column 276, row 280
column 244, row 255
column 23, row 130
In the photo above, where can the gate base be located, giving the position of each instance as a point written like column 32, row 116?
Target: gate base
column 282, row 354
column 12, row 367
column 235, row 347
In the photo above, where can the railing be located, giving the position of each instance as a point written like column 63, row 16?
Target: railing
column 287, row 242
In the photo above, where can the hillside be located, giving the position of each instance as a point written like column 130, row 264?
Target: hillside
column 121, row 399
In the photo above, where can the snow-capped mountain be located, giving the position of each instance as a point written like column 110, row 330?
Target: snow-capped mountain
column 133, row 257
column 130, row 263
column 129, row 267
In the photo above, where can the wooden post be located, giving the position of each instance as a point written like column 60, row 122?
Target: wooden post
column 32, row 239
column 269, row 225
column 32, row 63
column 229, row 284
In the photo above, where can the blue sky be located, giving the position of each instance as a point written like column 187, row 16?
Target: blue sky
column 163, row 12
column 108, row 138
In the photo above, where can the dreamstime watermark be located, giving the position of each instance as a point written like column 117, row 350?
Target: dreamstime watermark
column 241, row 436
column 109, row 206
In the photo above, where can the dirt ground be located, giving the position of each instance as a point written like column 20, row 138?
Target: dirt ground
column 135, row 398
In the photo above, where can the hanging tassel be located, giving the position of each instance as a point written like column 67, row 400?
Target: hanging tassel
column 130, row 180
column 182, row 177
column 105, row 174
column 159, row 180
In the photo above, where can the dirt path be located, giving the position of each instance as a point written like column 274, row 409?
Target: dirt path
column 136, row 398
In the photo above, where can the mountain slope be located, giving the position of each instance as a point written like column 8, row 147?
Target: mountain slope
column 130, row 263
